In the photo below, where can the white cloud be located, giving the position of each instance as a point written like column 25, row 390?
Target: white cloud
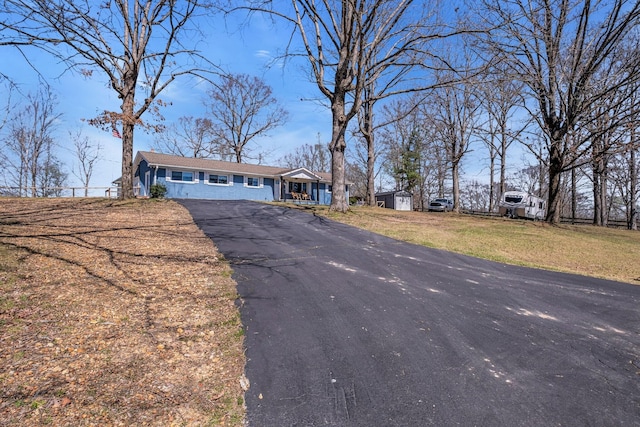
column 263, row 54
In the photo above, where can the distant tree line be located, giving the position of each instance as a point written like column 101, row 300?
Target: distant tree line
column 413, row 89
column 559, row 72
column 28, row 158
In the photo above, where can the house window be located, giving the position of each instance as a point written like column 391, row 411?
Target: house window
column 329, row 188
column 182, row 176
column 252, row 182
column 218, row 179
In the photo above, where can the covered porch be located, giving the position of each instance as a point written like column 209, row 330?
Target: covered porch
column 300, row 186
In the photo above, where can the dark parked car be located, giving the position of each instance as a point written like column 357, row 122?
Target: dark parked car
column 441, row 205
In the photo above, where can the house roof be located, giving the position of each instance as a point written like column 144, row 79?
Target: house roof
column 171, row 161
column 395, row 192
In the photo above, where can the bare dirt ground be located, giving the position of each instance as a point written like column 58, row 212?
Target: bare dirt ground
column 115, row 313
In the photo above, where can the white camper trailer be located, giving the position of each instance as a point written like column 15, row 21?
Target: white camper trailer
column 518, row 204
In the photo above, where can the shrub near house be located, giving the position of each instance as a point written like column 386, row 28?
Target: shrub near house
column 193, row 178
column 157, row 191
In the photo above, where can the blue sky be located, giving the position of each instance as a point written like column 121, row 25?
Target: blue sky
column 249, row 51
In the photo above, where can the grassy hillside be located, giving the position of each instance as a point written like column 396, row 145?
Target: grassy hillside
column 115, row 313
column 582, row 249
column 123, row 313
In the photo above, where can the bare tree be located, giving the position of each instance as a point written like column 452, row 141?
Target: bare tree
column 28, row 145
column 349, row 43
column 453, row 112
column 435, row 171
column 191, row 137
column 5, row 110
column 557, row 47
column 623, row 173
column 242, row 108
column 358, row 181
column 88, row 154
column 536, row 143
column 5, row 113
column 403, row 141
column 475, row 196
column 405, row 68
column 632, row 198
column 364, row 162
column 405, row 122
column 631, row 185
column 135, row 44
column 312, row 157
column 603, row 148
column 500, row 96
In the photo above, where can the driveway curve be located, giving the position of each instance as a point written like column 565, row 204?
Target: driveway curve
column 349, row 328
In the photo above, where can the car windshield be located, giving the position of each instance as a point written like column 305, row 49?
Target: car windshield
column 441, row 200
column 513, row 199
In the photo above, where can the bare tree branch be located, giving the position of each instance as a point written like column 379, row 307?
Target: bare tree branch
column 242, row 108
column 132, row 43
column 557, row 49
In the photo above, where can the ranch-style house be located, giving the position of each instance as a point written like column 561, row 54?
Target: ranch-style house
column 193, row 178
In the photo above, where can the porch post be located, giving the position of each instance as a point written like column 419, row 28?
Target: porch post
column 318, row 192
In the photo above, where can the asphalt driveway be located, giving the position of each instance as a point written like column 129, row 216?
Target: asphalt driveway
column 348, row 328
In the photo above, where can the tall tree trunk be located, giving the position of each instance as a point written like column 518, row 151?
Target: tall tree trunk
column 553, row 216
column 556, row 164
column 366, row 128
column 455, row 178
column 127, row 162
column 605, row 205
column 371, row 161
column 597, row 195
column 492, row 162
column 633, row 178
column 339, row 202
column 127, row 146
column 33, row 172
column 440, row 174
column 574, row 196
column 503, row 170
column 541, row 172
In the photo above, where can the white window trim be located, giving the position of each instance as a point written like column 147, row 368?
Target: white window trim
column 228, row 184
column 195, row 176
column 260, row 182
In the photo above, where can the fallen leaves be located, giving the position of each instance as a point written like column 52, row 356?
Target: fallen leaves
column 114, row 313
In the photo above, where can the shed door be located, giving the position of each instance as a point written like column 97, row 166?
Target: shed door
column 403, row 203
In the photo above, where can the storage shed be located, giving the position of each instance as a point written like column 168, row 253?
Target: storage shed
column 398, row 200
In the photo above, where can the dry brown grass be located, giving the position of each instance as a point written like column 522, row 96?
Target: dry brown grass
column 115, row 313
column 122, row 313
column 582, row 249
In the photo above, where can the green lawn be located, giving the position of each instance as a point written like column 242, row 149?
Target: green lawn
column 583, row 249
